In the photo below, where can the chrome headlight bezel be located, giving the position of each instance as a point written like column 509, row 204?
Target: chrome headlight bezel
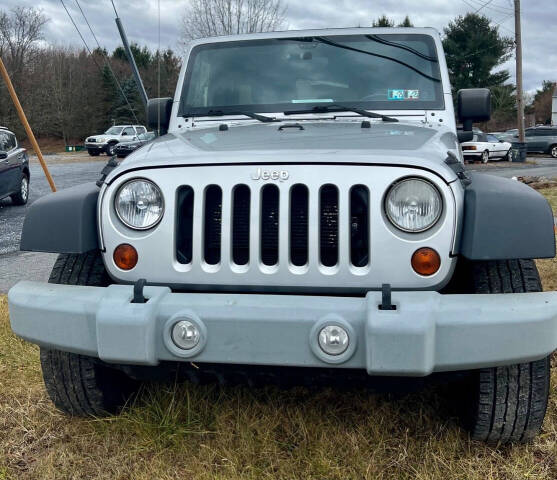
column 119, row 215
column 398, row 183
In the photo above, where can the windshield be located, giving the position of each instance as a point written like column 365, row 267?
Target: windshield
column 374, row 72
column 114, row 131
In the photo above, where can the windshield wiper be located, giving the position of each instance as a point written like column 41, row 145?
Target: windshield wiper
column 221, row 113
column 386, row 57
column 378, row 39
column 339, row 107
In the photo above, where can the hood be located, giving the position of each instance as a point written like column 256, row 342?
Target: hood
column 334, row 141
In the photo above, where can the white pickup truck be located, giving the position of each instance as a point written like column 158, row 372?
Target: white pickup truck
column 106, row 142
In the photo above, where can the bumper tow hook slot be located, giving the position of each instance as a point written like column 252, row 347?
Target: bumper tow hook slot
column 138, row 287
column 386, row 303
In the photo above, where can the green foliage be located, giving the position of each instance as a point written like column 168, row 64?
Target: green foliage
column 406, row 22
column 142, row 56
column 473, row 49
column 383, row 21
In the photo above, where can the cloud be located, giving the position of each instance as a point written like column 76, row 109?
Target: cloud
column 140, row 19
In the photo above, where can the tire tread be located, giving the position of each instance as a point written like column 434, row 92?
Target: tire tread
column 509, row 402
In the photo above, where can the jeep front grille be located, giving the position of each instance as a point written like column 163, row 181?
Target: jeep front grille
column 293, row 212
column 317, row 228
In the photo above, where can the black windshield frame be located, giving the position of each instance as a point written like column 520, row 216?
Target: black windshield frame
column 389, row 106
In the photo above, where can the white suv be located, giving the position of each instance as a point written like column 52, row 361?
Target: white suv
column 106, row 142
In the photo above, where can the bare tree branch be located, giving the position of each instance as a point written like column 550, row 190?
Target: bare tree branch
column 208, row 18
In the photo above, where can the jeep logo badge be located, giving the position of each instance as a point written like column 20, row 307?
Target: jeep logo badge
column 280, row 175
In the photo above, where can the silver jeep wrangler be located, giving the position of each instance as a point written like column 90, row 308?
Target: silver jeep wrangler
column 306, row 209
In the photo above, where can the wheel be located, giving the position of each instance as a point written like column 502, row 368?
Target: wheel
column 94, row 153
column 485, row 157
column 509, row 156
column 506, row 404
column 77, row 384
column 553, row 151
column 21, row 197
column 110, row 149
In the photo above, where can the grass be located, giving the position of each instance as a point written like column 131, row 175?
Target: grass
column 205, row 432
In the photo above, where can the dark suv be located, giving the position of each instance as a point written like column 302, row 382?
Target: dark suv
column 542, row 140
column 14, row 169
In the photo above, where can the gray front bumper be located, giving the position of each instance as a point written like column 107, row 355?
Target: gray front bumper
column 428, row 332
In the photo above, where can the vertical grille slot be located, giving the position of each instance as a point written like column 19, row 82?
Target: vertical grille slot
column 359, row 226
column 240, row 224
column 184, row 222
column 299, row 201
column 212, row 221
column 328, row 225
column 269, row 224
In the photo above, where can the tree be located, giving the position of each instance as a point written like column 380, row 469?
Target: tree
column 542, row 102
column 473, row 49
column 383, row 21
column 406, row 22
column 209, row 18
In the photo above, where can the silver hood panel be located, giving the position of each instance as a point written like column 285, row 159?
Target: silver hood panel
column 325, row 141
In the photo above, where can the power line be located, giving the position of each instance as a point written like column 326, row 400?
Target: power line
column 82, row 39
column 483, row 6
column 107, row 62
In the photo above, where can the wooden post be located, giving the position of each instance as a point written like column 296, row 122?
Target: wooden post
column 519, row 88
column 25, row 123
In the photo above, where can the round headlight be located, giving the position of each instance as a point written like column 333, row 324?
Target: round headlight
column 413, row 205
column 139, row 204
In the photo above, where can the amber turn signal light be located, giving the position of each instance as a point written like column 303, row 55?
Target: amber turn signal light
column 125, row 256
column 426, row 261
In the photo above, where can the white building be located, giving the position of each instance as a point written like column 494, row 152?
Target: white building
column 554, row 108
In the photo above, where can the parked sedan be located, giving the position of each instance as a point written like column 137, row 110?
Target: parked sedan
column 542, row 140
column 14, row 169
column 486, row 147
column 125, row 148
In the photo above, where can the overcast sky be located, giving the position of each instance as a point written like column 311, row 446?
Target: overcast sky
column 140, row 18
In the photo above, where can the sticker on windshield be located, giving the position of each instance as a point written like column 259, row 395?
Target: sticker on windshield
column 314, row 100
column 401, row 94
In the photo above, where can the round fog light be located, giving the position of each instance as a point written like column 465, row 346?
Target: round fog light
column 185, row 335
column 333, row 340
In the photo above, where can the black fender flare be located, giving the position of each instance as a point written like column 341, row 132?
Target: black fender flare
column 63, row 222
column 504, row 220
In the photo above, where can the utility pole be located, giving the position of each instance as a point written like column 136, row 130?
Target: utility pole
column 23, row 118
column 519, row 92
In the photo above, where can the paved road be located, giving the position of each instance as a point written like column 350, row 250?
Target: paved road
column 16, row 265
column 545, row 167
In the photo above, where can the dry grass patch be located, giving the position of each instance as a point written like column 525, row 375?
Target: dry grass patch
column 183, row 431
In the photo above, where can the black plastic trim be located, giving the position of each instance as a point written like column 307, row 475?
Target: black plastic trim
column 505, row 220
column 63, row 222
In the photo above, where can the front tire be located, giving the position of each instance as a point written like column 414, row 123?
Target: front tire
column 553, row 151
column 22, row 196
column 93, row 153
column 77, row 384
column 110, row 149
column 506, row 404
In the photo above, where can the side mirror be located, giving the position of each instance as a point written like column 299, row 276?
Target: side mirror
column 473, row 105
column 465, row 135
column 159, row 110
column 3, row 155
